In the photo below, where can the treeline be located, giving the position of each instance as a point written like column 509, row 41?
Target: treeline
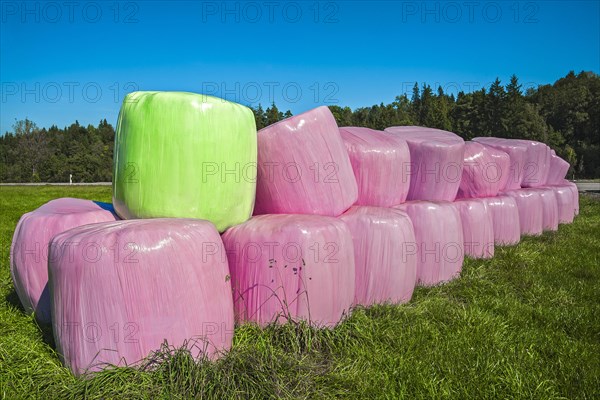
column 565, row 115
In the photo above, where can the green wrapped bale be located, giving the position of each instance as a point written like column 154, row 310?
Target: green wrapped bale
column 184, row 155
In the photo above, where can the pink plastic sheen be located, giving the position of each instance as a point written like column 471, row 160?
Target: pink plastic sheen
column 485, row 171
column 381, row 164
column 575, row 193
column 517, row 152
column 558, row 169
column 439, row 240
column 303, row 167
column 477, row 227
column 505, row 220
column 565, row 203
column 436, row 162
column 298, row 267
column 120, row 289
column 531, row 216
column 385, row 260
column 537, row 167
column 549, row 208
column 29, row 250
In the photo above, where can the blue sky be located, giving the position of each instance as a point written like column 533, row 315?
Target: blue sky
column 62, row 61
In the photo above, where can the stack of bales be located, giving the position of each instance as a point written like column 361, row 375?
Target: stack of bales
column 215, row 223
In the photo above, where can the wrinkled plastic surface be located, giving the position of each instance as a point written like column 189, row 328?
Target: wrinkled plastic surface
column 29, row 250
column 537, row 166
column 575, row 193
column 565, row 203
column 184, row 155
column 558, row 169
column 485, row 171
column 303, row 167
column 436, row 162
column 120, row 289
column 385, row 260
column 505, row 220
column 517, row 152
column 531, row 214
column 439, row 240
column 477, row 227
column 549, row 209
column 298, row 267
column 381, row 164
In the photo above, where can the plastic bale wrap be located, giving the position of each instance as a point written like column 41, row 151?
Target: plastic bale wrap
column 381, row 164
column 477, row 227
column 184, row 155
column 558, row 169
column 303, row 167
column 119, row 290
column 505, row 220
column 439, row 240
column 531, row 214
column 575, row 193
column 298, row 267
column 565, row 203
column 549, row 209
column 485, row 171
column 537, row 166
column 517, row 153
column 436, row 162
column 29, row 250
column 384, row 254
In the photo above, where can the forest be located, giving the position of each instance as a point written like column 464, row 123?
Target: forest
column 565, row 115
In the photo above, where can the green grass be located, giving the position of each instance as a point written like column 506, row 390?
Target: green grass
column 524, row 324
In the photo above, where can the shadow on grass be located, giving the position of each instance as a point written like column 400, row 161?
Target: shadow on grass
column 45, row 328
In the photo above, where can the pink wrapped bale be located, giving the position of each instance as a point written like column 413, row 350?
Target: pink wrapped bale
column 384, row 254
column 485, row 171
column 303, row 167
column 531, row 217
column 291, row 267
column 436, row 162
column 575, row 193
column 537, row 167
column 29, row 250
column 439, row 240
column 505, row 220
column 549, row 209
column 565, row 203
column 477, row 227
column 517, row 153
column 558, row 169
column 121, row 289
column 381, row 164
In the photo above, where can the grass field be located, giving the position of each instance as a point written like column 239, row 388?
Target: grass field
column 525, row 324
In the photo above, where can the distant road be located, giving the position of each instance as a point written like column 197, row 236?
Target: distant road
column 588, row 186
column 582, row 186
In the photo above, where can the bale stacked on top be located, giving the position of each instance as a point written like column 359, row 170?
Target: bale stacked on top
column 303, row 167
column 485, row 171
column 184, row 155
column 436, row 162
column 381, row 164
column 517, row 152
